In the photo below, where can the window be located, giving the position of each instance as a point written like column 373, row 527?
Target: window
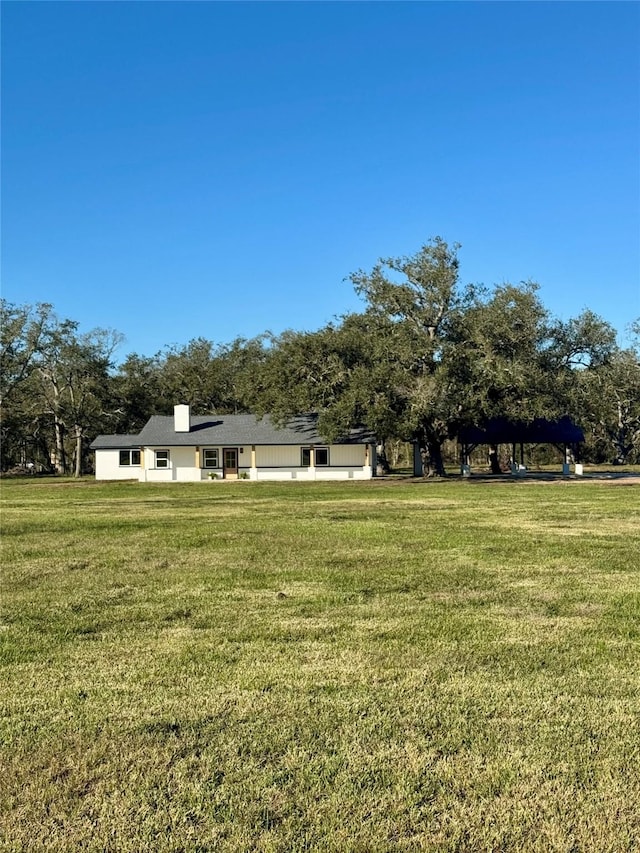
column 321, row 455
column 162, row 458
column 210, row 458
column 129, row 457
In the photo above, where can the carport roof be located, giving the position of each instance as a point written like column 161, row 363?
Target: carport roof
column 538, row 431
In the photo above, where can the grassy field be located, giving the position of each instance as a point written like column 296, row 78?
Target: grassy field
column 382, row 666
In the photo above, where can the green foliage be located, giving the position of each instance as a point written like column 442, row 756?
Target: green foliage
column 136, row 394
column 499, row 350
column 608, row 398
column 23, row 331
column 54, row 386
column 209, row 377
column 420, row 289
column 428, row 356
column 425, row 357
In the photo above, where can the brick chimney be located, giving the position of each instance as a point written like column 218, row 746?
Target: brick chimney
column 182, row 418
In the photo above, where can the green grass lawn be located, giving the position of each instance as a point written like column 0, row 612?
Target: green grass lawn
column 382, row 666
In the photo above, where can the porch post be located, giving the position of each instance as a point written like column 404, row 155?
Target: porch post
column 253, row 473
column 367, row 470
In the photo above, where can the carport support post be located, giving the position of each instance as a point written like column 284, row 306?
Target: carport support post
column 578, row 469
column 565, row 460
column 465, row 468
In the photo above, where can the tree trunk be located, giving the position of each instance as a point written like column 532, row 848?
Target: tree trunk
column 382, row 463
column 78, row 466
column 620, row 441
column 59, row 455
column 494, row 460
column 430, row 447
column 44, row 454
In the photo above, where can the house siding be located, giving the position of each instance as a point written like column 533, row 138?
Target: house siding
column 182, row 461
column 277, row 457
column 108, row 466
column 347, row 462
column 269, row 460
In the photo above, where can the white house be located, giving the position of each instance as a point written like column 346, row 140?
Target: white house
column 191, row 448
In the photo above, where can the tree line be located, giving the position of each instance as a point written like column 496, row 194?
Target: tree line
column 425, row 357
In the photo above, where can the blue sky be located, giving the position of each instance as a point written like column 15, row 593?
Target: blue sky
column 175, row 170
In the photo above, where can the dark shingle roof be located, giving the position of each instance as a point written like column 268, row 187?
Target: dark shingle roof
column 229, row 429
column 115, row 442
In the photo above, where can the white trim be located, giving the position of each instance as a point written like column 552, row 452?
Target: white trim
column 156, row 459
